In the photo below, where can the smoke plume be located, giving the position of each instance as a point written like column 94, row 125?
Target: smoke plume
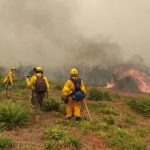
column 51, row 34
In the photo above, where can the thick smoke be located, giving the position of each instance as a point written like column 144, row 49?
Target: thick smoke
column 37, row 32
column 42, row 33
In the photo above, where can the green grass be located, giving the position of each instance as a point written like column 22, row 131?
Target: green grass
column 109, row 120
column 129, row 118
column 93, row 126
column 20, row 84
column 117, row 138
column 99, row 94
column 125, row 140
column 5, row 142
column 106, row 124
column 13, row 115
column 52, row 104
column 140, row 105
column 143, row 132
column 100, row 107
column 57, row 138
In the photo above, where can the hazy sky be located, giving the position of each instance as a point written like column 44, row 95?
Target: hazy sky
column 46, row 31
column 126, row 22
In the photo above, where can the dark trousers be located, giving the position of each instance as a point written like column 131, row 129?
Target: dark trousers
column 37, row 101
column 8, row 87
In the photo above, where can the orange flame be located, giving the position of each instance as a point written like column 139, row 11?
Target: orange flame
column 142, row 79
column 110, row 85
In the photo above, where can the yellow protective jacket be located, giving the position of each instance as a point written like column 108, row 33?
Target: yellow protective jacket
column 70, row 88
column 9, row 77
column 31, row 82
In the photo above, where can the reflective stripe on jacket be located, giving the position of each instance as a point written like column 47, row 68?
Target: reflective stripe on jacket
column 70, row 88
column 9, row 77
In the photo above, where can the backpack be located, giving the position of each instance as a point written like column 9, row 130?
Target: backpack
column 77, row 84
column 77, row 95
column 40, row 85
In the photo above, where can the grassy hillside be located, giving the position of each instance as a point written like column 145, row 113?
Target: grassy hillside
column 119, row 123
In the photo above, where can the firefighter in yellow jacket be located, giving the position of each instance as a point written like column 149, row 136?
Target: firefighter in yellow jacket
column 74, row 92
column 40, row 85
column 9, row 78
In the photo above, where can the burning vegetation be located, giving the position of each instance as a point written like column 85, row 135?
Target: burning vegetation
column 130, row 79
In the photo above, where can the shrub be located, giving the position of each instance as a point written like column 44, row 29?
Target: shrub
column 13, row 115
column 51, row 105
column 58, row 86
column 124, row 140
column 141, row 105
column 57, row 138
column 5, row 142
column 99, row 94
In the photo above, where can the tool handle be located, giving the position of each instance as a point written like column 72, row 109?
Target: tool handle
column 87, row 110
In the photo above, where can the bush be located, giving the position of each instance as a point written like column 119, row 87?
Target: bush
column 124, row 140
column 51, row 105
column 141, row 105
column 99, row 94
column 57, row 138
column 5, row 142
column 58, row 86
column 13, row 115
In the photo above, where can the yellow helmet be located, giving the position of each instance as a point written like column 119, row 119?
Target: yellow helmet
column 39, row 69
column 13, row 68
column 73, row 71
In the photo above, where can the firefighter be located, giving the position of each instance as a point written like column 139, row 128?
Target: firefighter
column 73, row 93
column 29, row 76
column 40, row 85
column 9, row 80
